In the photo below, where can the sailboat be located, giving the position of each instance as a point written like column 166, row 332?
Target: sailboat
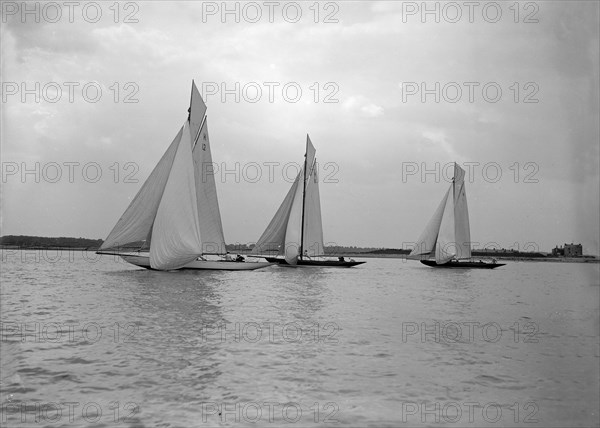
column 174, row 220
column 296, row 231
column 446, row 241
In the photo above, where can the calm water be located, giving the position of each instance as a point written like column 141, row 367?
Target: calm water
column 390, row 343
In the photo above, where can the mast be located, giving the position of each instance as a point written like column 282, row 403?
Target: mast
column 303, row 199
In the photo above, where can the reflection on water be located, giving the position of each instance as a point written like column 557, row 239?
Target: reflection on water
column 375, row 345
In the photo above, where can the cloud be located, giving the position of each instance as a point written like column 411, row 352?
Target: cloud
column 363, row 105
column 365, row 54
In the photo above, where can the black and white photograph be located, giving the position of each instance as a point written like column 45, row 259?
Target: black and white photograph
column 300, row 213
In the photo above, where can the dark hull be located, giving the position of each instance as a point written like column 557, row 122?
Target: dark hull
column 458, row 264
column 314, row 263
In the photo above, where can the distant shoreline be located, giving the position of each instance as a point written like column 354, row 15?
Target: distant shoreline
column 584, row 259
column 42, row 243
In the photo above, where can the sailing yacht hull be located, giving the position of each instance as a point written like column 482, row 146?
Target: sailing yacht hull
column 297, row 224
column 463, row 265
column 144, row 261
column 313, row 263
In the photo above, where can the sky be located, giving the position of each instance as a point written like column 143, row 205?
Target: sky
column 391, row 93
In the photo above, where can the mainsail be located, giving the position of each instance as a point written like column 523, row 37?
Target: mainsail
column 176, row 212
column 312, row 243
column 211, row 228
column 462, row 228
column 296, row 229
column 447, row 235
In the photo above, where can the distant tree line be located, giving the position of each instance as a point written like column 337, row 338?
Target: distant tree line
column 22, row 241
column 388, row 251
column 506, row 253
column 329, row 250
column 45, row 242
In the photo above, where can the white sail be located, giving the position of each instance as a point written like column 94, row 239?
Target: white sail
column 211, row 228
column 462, row 233
column 293, row 230
column 312, row 243
column 310, row 156
column 307, row 239
column 176, row 238
column 273, row 238
column 176, row 212
column 135, row 224
column 447, row 235
column 285, row 232
column 426, row 243
column 445, row 247
column 196, row 113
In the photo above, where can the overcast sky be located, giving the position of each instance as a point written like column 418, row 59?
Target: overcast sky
column 517, row 106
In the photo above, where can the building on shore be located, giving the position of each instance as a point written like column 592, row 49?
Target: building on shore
column 568, row 250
